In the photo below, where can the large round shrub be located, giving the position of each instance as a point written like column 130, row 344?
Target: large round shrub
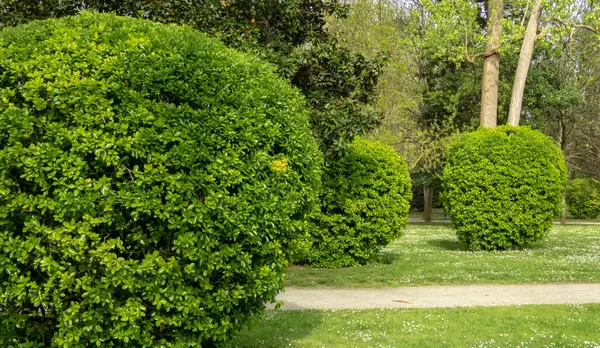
column 364, row 205
column 151, row 181
column 503, row 186
column 583, row 198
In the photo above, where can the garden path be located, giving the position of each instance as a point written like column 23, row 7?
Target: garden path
column 439, row 296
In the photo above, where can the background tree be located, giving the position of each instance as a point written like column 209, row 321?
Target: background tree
column 432, row 82
column 373, row 27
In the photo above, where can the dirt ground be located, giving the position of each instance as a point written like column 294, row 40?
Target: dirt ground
column 440, row 296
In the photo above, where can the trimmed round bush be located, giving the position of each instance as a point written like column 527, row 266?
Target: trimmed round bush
column 364, row 206
column 583, row 198
column 503, row 186
column 151, row 183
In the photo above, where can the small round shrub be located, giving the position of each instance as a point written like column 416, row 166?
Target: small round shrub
column 364, row 205
column 583, row 198
column 503, row 187
column 151, row 183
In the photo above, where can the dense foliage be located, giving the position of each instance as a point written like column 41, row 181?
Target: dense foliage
column 364, row 206
column 267, row 22
column 339, row 85
column 583, row 198
column 503, row 186
column 151, row 182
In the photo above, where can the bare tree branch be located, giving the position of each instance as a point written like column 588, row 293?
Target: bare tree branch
column 575, row 25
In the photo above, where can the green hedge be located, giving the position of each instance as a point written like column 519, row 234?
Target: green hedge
column 583, row 198
column 151, row 182
column 503, row 187
column 364, row 206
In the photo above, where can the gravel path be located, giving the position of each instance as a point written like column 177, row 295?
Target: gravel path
column 440, row 296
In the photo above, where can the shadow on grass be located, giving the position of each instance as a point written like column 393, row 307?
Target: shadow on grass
column 386, row 257
column 455, row 245
column 432, row 223
column 448, row 244
column 277, row 329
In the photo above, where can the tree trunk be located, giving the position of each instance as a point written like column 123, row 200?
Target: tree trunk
column 428, row 203
column 516, row 101
column 563, row 211
column 491, row 65
column 562, row 143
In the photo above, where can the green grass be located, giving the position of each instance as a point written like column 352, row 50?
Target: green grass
column 524, row 326
column 431, row 254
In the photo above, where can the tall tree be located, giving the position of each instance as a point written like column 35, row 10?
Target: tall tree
column 514, row 113
column 452, row 31
column 491, row 65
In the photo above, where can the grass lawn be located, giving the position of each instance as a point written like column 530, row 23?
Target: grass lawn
column 431, row 254
column 524, row 326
